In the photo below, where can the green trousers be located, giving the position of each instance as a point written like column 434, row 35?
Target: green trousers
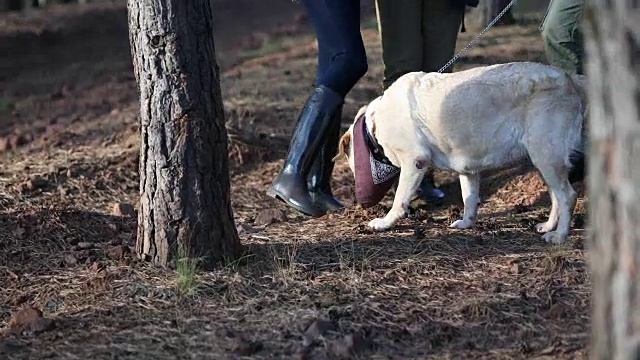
column 417, row 35
column 562, row 35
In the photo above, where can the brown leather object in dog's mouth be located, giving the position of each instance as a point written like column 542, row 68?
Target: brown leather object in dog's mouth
column 374, row 175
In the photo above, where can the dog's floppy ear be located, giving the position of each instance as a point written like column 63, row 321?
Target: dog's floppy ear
column 361, row 111
column 344, row 143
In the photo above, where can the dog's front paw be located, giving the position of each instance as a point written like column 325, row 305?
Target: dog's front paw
column 545, row 227
column 461, row 224
column 554, row 237
column 379, row 224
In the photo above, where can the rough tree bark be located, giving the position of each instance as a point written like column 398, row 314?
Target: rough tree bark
column 185, row 206
column 612, row 32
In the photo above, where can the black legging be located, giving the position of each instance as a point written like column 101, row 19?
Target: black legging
column 342, row 59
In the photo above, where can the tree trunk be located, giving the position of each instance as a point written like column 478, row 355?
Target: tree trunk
column 185, row 207
column 612, row 33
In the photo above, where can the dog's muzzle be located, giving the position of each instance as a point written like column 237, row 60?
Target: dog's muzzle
column 374, row 173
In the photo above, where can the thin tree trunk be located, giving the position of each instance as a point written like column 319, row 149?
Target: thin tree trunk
column 185, row 206
column 612, row 32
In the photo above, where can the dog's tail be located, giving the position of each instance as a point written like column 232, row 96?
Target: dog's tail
column 579, row 84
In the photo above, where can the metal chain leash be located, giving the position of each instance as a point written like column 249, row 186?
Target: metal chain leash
column 469, row 45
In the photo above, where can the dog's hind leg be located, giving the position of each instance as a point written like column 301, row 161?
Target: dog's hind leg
column 552, row 222
column 408, row 183
column 556, row 177
column 470, row 189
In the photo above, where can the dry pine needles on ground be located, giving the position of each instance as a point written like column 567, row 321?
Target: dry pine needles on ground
column 305, row 288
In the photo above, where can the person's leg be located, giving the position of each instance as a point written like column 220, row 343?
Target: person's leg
column 319, row 177
column 400, row 24
column 441, row 22
column 347, row 65
column 342, row 56
column 400, row 28
column 562, row 35
column 563, row 45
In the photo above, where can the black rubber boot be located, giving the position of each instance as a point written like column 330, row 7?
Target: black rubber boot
column 290, row 185
column 319, row 179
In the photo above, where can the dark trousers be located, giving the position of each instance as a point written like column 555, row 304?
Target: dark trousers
column 342, row 59
column 562, row 35
column 417, row 35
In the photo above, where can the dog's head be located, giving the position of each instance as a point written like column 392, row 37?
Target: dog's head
column 345, row 146
column 373, row 177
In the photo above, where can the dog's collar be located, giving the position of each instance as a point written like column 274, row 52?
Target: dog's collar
column 376, row 150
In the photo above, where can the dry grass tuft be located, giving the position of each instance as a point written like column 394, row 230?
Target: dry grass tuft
column 186, row 272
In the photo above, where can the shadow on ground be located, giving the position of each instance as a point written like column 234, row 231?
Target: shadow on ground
column 409, row 293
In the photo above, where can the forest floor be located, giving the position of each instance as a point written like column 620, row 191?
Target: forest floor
column 69, row 166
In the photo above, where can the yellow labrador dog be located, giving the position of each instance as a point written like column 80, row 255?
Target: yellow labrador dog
column 469, row 121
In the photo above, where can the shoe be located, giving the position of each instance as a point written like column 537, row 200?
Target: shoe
column 427, row 191
column 319, row 178
column 290, row 186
